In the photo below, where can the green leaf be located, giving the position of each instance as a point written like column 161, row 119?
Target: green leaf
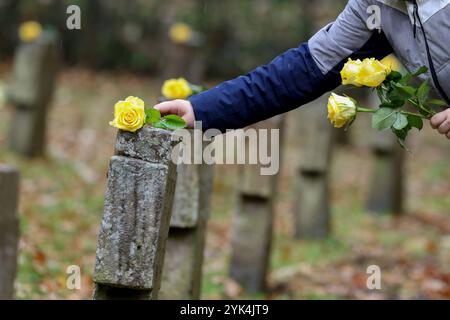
column 423, row 91
column 402, row 135
column 160, row 125
column 174, row 122
column 406, row 79
column 415, row 122
column 384, row 118
column 394, row 76
column 393, row 104
column 401, row 122
column 403, row 91
column 420, row 71
column 152, row 115
column 437, row 102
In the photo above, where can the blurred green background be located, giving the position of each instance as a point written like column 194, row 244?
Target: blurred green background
column 131, row 35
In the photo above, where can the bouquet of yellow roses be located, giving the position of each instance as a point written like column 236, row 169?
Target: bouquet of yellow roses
column 395, row 92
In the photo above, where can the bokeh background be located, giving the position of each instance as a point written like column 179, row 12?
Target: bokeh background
column 123, row 49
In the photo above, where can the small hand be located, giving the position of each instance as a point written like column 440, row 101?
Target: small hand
column 182, row 108
column 441, row 122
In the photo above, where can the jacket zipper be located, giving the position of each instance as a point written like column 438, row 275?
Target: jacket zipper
column 430, row 59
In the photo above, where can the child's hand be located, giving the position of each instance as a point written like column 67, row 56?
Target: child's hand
column 441, row 122
column 182, row 108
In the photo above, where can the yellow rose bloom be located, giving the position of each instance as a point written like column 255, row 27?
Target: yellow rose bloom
column 180, row 33
column 369, row 72
column 30, row 31
column 176, row 89
column 341, row 110
column 350, row 73
column 373, row 73
column 129, row 115
column 392, row 62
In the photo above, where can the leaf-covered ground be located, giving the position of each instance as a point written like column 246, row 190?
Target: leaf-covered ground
column 62, row 198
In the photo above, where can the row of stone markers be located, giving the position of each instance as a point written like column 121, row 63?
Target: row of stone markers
column 30, row 91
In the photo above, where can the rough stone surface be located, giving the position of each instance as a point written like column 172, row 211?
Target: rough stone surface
column 183, row 265
column 134, row 225
column 187, row 197
column 189, row 188
column 136, row 218
column 183, row 262
column 148, row 144
column 31, row 89
column 9, row 230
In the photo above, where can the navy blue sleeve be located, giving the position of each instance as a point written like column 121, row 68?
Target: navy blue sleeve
column 289, row 81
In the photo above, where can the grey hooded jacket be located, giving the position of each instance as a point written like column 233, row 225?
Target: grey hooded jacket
column 418, row 32
column 405, row 32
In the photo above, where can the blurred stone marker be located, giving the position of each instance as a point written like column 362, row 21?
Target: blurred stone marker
column 184, row 54
column 312, row 212
column 136, row 217
column 386, row 191
column 252, row 224
column 30, row 91
column 9, row 229
column 314, row 138
column 183, row 262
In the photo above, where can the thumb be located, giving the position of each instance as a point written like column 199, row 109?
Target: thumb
column 437, row 120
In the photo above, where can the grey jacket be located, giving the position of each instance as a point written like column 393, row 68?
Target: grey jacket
column 403, row 30
column 417, row 32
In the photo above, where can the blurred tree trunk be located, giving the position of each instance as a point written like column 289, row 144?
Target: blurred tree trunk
column 90, row 23
column 9, row 16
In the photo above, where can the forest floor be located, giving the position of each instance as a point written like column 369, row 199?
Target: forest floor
column 62, row 198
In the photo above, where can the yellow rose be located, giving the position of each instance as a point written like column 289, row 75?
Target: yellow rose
column 341, row 110
column 392, row 62
column 373, row 73
column 30, row 31
column 176, row 89
column 180, row 33
column 129, row 115
column 350, row 72
column 369, row 72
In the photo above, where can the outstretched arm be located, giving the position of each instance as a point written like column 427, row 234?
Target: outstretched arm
column 294, row 78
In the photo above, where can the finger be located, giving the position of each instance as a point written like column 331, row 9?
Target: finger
column 168, row 107
column 448, row 135
column 444, row 128
column 437, row 119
